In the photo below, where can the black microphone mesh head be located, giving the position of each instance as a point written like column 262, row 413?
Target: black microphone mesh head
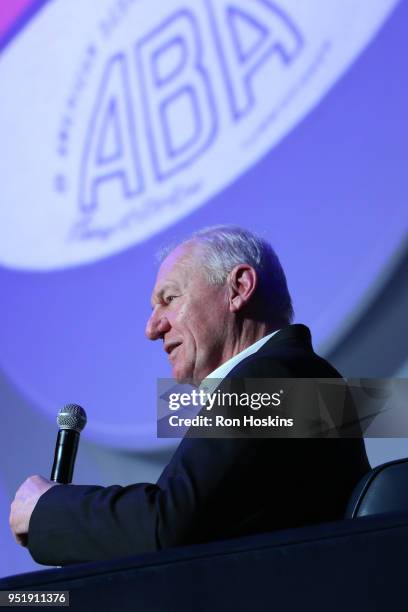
column 72, row 416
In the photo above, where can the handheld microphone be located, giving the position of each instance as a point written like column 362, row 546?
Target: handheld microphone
column 71, row 420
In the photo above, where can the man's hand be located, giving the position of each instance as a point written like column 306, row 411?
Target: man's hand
column 24, row 503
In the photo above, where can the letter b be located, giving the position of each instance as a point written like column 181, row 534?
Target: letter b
column 176, row 92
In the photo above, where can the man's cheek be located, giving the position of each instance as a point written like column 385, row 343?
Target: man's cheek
column 179, row 356
column 183, row 355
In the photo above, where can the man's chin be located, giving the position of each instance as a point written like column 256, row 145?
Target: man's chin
column 184, row 378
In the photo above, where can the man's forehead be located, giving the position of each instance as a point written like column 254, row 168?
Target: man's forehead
column 175, row 267
column 177, row 260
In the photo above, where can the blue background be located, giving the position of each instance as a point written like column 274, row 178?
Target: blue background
column 327, row 197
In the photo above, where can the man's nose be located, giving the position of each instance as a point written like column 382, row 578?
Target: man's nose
column 157, row 325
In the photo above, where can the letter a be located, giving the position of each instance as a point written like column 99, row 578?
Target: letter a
column 110, row 148
column 248, row 33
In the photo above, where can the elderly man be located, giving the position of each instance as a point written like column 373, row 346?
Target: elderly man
column 222, row 308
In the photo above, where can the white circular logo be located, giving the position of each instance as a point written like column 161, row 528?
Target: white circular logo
column 118, row 113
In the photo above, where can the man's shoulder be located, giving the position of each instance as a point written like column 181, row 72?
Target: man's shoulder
column 289, row 353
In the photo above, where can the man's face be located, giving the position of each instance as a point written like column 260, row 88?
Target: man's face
column 189, row 315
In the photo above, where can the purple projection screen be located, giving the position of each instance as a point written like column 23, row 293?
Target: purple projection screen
column 129, row 124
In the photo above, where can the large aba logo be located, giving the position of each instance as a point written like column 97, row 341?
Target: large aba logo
column 146, row 109
column 175, row 87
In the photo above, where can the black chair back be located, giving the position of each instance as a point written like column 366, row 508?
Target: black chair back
column 383, row 489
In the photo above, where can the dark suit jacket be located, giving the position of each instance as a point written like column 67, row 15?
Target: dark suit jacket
column 212, row 488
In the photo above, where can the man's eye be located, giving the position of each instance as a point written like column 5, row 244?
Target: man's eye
column 170, row 298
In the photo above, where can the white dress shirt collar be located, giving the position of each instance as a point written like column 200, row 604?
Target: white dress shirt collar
column 211, row 382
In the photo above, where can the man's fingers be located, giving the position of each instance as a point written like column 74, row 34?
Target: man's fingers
column 23, row 505
column 21, row 538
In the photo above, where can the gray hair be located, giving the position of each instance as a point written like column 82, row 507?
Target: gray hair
column 225, row 246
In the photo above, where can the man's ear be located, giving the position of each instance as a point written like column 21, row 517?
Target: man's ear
column 242, row 283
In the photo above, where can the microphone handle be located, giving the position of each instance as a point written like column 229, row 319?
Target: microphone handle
column 64, row 457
